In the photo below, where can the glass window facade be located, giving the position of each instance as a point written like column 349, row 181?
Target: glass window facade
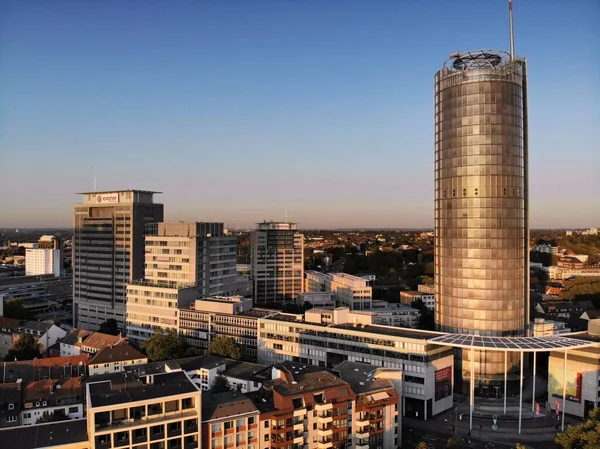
column 480, row 203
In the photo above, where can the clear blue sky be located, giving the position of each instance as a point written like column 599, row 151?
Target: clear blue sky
column 238, row 110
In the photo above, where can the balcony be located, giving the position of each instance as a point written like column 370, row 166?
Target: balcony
column 299, row 439
column 362, row 434
column 299, row 412
column 299, row 427
column 361, row 446
column 325, row 418
column 362, row 422
column 323, row 407
column 325, row 444
column 324, row 433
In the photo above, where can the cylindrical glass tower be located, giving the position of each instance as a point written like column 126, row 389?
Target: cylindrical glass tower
column 481, row 226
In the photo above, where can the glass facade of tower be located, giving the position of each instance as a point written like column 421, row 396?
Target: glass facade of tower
column 481, row 239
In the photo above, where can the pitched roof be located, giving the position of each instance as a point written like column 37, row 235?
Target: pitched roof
column 118, row 353
column 38, row 326
column 98, row 340
column 72, row 338
column 224, row 405
column 9, row 323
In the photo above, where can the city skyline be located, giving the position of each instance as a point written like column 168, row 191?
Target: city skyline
column 241, row 113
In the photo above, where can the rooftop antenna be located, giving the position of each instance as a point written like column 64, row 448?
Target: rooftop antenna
column 94, row 178
column 512, row 31
column 286, row 215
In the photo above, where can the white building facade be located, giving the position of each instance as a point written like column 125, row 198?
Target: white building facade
column 42, row 261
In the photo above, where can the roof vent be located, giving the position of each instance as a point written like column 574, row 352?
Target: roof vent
column 355, row 369
column 361, row 383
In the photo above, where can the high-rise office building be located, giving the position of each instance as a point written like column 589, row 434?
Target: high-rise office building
column 108, row 252
column 184, row 262
column 481, row 188
column 277, row 262
column 46, row 258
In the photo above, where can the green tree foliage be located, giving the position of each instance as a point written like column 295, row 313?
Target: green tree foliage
column 25, row 348
column 455, row 443
column 220, row 385
column 225, row 347
column 14, row 309
column 110, row 327
column 51, row 417
column 583, row 287
column 582, row 436
column 165, row 346
column 428, row 280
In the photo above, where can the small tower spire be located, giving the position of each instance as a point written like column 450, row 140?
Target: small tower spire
column 512, row 31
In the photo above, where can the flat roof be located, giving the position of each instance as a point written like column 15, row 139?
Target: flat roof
column 123, row 390
column 45, row 435
column 512, row 344
column 392, row 331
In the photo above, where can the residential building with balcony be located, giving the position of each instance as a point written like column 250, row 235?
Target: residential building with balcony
column 375, row 416
column 350, row 291
column 229, row 420
column 303, row 406
column 158, row 411
column 327, row 338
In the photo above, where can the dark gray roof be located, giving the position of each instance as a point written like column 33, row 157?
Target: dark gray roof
column 202, row 362
column 118, row 353
column 45, row 435
column 38, row 326
column 517, row 344
column 247, row 371
column 361, row 377
column 125, row 388
column 224, row 405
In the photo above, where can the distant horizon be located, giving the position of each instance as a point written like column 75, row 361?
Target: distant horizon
column 244, row 110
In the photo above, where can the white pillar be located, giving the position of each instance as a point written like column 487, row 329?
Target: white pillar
column 505, row 376
column 472, row 389
column 533, row 398
column 562, row 427
column 425, row 409
column 521, row 393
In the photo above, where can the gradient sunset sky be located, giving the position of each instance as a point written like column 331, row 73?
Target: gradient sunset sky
column 239, row 110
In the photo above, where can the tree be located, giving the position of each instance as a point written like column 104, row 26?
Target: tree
column 165, row 346
column 421, row 445
column 110, row 327
column 455, row 443
column 225, row 347
column 220, row 384
column 14, row 309
column 51, row 417
column 25, row 348
column 582, row 436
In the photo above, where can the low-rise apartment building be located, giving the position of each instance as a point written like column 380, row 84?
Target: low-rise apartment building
column 46, row 398
column 80, row 341
column 159, row 411
column 114, row 359
column 350, row 291
column 303, row 406
column 327, row 338
column 317, row 299
column 375, row 416
column 47, row 334
column 229, row 420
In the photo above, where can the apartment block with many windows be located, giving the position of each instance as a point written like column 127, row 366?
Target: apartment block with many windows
column 277, row 262
column 159, row 411
column 328, row 337
column 229, row 419
column 303, row 406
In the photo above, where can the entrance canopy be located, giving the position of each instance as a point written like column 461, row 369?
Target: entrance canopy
column 512, row 344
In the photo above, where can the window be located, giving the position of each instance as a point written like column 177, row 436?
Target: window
column 228, row 425
column 216, row 428
column 251, row 420
column 11, row 419
column 266, row 425
column 73, row 409
column 267, row 437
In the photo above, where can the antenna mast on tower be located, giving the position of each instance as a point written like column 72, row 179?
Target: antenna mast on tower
column 512, row 31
